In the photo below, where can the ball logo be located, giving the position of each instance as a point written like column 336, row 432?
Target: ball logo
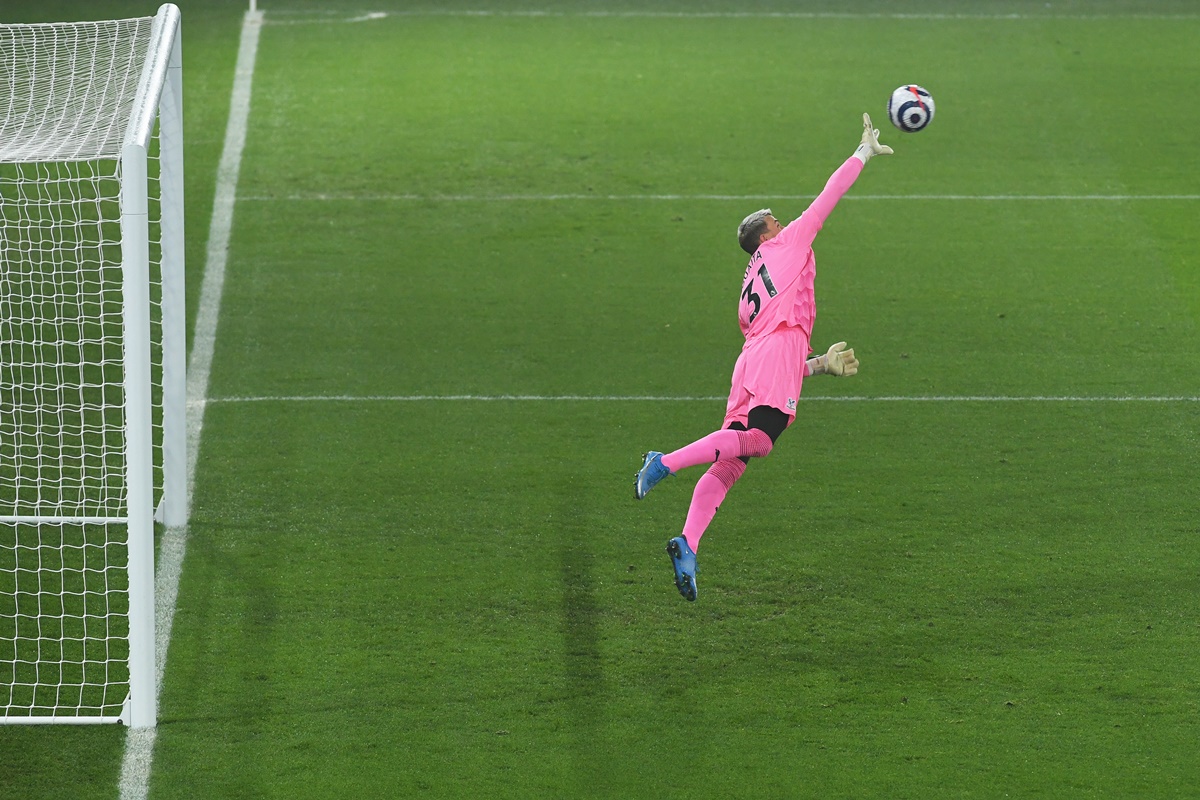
column 910, row 108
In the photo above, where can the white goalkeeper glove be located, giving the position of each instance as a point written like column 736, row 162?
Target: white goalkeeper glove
column 838, row 361
column 870, row 143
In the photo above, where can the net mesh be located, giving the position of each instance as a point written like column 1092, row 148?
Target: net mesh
column 70, row 88
column 63, row 541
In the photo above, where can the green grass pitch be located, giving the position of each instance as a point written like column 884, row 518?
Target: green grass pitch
column 943, row 598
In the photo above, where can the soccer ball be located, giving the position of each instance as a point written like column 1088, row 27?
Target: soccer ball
column 910, row 108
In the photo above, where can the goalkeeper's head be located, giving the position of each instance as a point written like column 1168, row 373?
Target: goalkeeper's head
column 759, row 227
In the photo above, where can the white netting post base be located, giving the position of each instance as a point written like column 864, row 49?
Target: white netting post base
column 90, row 414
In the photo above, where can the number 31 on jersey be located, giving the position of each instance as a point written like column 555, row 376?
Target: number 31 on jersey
column 751, row 297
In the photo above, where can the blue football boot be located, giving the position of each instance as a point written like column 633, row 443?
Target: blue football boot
column 652, row 471
column 684, row 561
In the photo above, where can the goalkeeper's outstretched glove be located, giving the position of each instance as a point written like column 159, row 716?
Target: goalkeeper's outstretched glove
column 870, row 143
column 838, row 361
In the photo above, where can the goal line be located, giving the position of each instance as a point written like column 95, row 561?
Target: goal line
column 329, row 15
column 401, row 197
column 577, row 398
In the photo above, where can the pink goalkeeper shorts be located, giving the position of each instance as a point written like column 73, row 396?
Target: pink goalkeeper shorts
column 769, row 372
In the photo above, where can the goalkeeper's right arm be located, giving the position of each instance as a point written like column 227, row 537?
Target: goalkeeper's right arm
column 870, row 145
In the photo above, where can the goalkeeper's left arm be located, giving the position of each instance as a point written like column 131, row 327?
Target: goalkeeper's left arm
column 838, row 361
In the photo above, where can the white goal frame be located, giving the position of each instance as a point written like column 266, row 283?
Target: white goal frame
column 158, row 104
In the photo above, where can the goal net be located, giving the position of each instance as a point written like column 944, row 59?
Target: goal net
column 91, row 361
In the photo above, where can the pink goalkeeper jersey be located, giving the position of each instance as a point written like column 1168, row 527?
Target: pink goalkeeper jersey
column 778, row 287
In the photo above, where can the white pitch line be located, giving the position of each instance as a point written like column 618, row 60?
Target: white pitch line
column 538, row 398
column 330, row 16
column 318, row 197
column 139, row 742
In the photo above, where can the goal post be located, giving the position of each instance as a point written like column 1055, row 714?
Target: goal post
column 92, row 361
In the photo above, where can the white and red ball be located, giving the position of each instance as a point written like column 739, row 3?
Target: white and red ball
column 910, row 108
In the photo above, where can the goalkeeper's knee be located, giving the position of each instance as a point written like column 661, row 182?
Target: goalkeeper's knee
column 727, row 471
column 754, row 443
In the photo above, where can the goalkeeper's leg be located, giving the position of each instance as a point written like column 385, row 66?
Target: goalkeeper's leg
column 734, row 442
column 727, row 443
column 707, row 498
column 710, row 492
column 714, row 484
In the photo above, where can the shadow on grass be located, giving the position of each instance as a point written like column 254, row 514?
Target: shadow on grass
column 585, row 682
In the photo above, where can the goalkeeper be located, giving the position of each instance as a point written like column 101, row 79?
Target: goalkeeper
column 776, row 313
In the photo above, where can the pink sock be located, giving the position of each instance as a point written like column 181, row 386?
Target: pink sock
column 718, row 446
column 710, row 491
